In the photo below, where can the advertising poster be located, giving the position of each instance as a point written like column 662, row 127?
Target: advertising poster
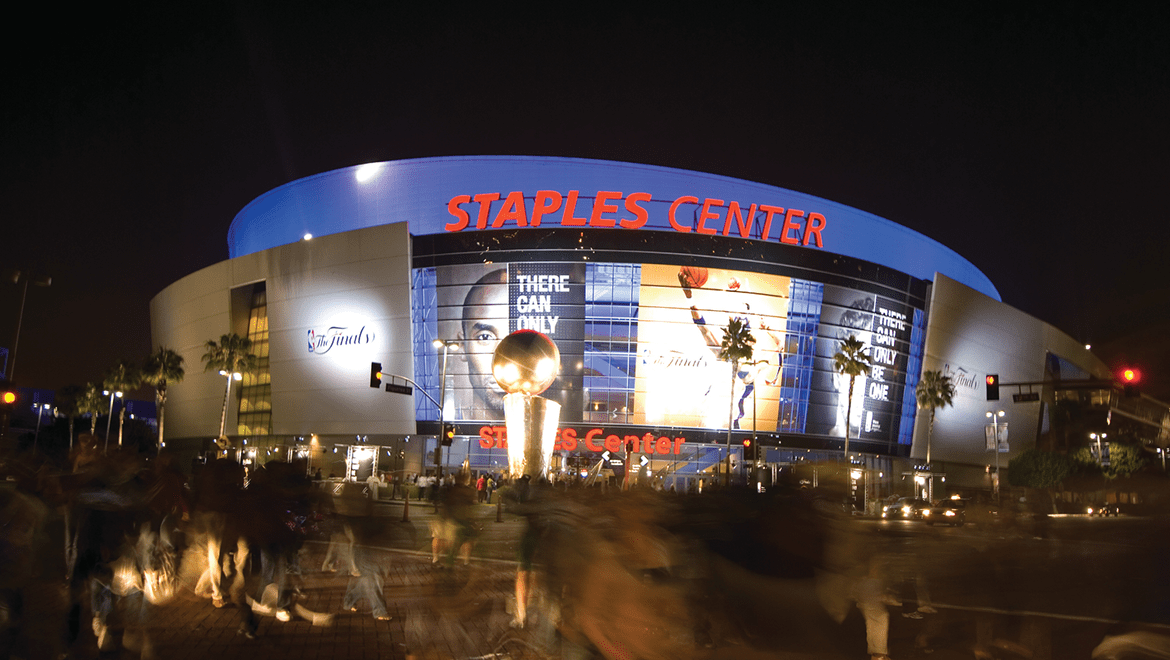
column 884, row 326
column 682, row 313
column 480, row 304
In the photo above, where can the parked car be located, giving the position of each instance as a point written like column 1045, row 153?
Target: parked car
column 947, row 512
column 1104, row 510
column 906, row 508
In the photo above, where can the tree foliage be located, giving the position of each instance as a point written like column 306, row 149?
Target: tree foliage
column 69, row 399
column 1034, row 468
column 736, row 347
column 738, row 342
column 231, row 354
column 92, row 403
column 122, row 377
column 851, row 360
column 934, row 391
column 1124, row 460
column 162, row 368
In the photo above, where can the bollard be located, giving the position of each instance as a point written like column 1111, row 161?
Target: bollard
column 406, row 507
column 500, row 510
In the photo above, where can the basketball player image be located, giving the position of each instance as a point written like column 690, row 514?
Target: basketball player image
column 484, row 324
column 768, row 342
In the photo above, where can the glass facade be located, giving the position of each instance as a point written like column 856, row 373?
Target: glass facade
column 639, row 343
column 255, row 412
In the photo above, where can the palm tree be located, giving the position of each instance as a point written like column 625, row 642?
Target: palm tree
column 735, row 348
column 162, row 367
column 851, row 360
column 122, row 377
column 934, row 391
column 92, row 403
column 232, row 354
column 69, row 401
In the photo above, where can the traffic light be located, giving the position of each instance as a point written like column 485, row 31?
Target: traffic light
column 1130, row 377
column 375, row 374
column 8, row 397
column 749, row 453
column 448, row 435
column 993, row 387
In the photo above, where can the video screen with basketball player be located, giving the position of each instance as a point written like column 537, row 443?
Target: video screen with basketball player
column 477, row 305
column 681, row 317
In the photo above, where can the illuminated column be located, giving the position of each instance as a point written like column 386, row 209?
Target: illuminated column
column 525, row 363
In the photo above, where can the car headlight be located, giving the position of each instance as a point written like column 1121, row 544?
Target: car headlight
column 926, row 512
column 949, row 512
column 906, row 510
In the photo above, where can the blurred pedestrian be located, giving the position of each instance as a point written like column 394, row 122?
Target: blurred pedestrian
column 366, row 584
column 374, row 483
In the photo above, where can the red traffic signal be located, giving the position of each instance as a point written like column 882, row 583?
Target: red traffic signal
column 375, row 374
column 1131, row 375
column 8, row 397
column 992, row 387
column 747, row 442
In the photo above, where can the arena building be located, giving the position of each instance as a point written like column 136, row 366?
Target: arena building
column 633, row 270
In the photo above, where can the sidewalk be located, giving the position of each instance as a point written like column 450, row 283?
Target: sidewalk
column 457, row 613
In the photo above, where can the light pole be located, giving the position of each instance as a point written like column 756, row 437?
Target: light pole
column 1098, row 437
column 995, row 447
column 446, row 345
column 234, row 375
column 39, row 281
column 36, row 436
column 110, row 418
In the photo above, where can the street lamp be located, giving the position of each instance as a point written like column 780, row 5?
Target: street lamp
column 1098, row 437
column 234, row 375
column 40, row 280
column 110, row 418
column 995, row 447
column 446, row 345
column 36, row 436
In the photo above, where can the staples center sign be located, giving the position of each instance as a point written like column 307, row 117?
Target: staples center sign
column 612, row 209
column 595, row 440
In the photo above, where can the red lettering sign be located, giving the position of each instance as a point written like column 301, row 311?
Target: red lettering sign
column 606, row 207
column 496, row 437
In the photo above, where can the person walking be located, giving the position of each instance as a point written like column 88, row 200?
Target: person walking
column 366, row 583
column 480, row 488
column 374, row 482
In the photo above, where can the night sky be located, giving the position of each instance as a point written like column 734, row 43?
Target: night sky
column 1035, row 143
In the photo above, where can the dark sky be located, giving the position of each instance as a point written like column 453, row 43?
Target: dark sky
column 1034, row 142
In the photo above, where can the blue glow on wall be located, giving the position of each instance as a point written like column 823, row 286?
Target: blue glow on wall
column 419, row 192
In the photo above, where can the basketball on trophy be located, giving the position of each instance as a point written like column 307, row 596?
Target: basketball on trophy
column 526, row 361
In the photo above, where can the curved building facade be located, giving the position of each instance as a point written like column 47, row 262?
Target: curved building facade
column 632, row 270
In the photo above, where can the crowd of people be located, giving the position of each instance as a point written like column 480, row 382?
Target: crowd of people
column 614, row 573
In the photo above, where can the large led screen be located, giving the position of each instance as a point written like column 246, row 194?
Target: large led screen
column 639, row 346
column 680, row 381
column 479, row 304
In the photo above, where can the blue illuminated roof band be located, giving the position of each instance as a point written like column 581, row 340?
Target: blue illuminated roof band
column 436, row 195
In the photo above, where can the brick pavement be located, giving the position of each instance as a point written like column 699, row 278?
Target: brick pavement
column 447, row 613
column 451, row 613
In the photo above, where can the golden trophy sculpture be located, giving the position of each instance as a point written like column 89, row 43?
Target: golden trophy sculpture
column 525, row 363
